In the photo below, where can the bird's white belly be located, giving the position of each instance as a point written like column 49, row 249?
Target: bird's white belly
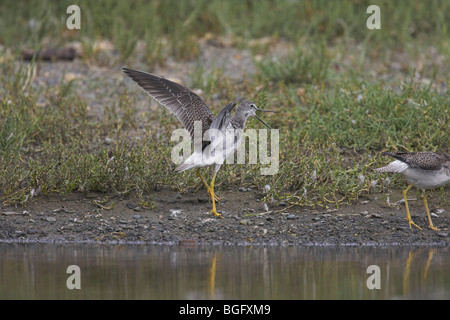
column 426, row 179
column 216, row 152
column 221, row 150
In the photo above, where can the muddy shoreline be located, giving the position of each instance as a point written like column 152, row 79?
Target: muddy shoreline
column 184, row 219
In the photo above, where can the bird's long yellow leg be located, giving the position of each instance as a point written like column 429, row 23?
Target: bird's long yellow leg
column 214, row 211
column 424, row 196
column 408, row 215
column 206, row 185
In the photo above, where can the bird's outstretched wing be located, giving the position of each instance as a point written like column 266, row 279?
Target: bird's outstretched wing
column 182, row 102
column 424, row 160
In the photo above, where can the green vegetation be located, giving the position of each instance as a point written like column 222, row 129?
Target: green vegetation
column 297, row 67
column 170, row 26
column 341, row 101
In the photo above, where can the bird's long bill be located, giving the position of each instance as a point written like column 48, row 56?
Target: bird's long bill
column 262, row 121
column 266, row 110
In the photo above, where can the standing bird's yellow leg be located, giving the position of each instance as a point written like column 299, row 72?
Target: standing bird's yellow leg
column 206, row 185
column 214, row 211
column 424, row 196
column 408, row 215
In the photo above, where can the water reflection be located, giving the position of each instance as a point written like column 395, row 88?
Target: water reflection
column 38, row 271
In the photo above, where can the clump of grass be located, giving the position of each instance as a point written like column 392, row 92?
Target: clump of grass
column 300, row 66
column 12, row 136
column 207, row 81
column 366, row 116
column 262, row 98
column 123, row 40
column 182, row 44
column 318, row 178
column 212, row 83
column 155, row 49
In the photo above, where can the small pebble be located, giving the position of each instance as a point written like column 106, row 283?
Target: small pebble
column 130, row 206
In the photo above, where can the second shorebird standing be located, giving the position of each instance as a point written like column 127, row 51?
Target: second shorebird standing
column 425, row 170
column 189, row 108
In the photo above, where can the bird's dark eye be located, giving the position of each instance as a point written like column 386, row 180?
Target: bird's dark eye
column 253, row 106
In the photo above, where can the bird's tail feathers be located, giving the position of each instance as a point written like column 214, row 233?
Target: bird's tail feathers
column 394, row 166
column 183, row 167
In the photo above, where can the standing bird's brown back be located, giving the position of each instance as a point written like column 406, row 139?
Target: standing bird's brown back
column 423, row 159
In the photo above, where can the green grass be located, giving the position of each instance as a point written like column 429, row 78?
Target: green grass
column 42, row 147
column 300, row 66
column 35, row 23
column 363, row 116
column 339, row 103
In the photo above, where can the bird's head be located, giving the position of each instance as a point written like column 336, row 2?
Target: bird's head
column 248, row 109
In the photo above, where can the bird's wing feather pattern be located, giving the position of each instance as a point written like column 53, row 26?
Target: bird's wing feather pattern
column 182, row 102
column 423, row 160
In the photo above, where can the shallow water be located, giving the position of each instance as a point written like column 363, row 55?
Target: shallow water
column 39, row 271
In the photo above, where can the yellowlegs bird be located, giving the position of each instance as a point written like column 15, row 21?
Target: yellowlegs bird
column 425, row 170
column 190, row 109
